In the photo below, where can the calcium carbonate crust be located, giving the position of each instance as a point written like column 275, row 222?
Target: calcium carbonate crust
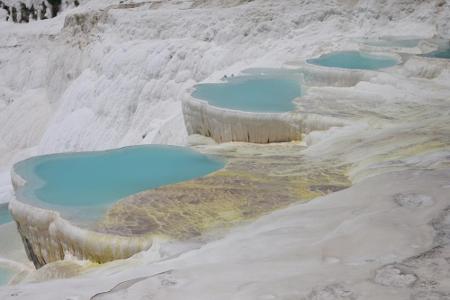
column 226, row 125
column 48, row 237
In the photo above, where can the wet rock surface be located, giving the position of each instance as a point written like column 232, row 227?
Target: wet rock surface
column 256, row 180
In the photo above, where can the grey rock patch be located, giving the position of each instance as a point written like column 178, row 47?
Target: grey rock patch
column 442, row 226
column 395, row 276
column 331, row 292
column 426, row 284
column 430, row 295
column 413, row 200
column 431, row 267
column 432, row 253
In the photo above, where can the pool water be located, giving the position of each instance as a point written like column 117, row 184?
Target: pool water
column 5, row 217
column 252, row 93
column 82, row 185
column 442, row 53
column 354, row 60
column 5, row 275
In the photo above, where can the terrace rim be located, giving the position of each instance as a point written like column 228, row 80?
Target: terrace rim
column 227, row 125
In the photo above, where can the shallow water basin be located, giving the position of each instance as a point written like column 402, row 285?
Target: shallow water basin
column 266, row 93
column 354, row 60
column 440, row 53
column 5, row 217
column 5, row 275
column 82, row 185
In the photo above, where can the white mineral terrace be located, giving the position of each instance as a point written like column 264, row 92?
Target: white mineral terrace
column 107, row 74
column 231, row 125
column 226, row 125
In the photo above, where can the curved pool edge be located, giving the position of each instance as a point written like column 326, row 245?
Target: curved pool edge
column 315, row 75
column 227, row 125
column 47, row 237
column 15, row 269
column 386, row 54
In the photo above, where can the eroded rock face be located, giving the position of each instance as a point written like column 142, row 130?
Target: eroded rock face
column 24, row 12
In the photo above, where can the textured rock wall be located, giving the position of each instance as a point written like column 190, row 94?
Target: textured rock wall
column 224, row 125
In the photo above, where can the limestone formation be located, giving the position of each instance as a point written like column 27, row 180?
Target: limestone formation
column 47, row 237
column 225, row 125
column 255, row 181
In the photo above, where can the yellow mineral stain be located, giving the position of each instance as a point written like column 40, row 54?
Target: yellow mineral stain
column 255, row 181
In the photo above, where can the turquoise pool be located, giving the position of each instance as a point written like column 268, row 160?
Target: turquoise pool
column 252, row 93
column 5, row 275
column 354, row 60
column 5, row 217
column 442, row 53
column 83, row 185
